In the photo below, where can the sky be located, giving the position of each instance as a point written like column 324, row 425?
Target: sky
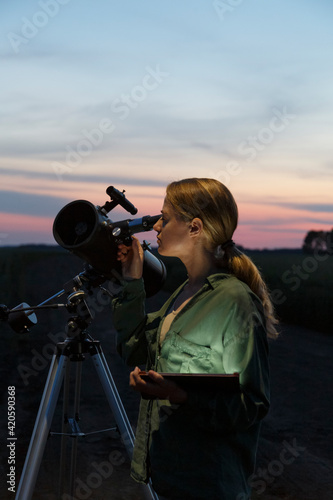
column 138, row 93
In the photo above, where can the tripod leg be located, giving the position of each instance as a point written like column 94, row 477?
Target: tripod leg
column 114, row 400
column 70, row 430
column 117, row 408
column 42, row 427
column 76, row 418
column 64, row 437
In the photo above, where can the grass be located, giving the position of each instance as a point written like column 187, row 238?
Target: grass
column 14, row 265
column 301, row 286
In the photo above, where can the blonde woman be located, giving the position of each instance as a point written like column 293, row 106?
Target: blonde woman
column 194, row 443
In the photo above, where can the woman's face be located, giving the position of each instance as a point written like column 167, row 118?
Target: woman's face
column 173, row 234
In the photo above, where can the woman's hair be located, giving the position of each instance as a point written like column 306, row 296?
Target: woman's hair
column 212, row 202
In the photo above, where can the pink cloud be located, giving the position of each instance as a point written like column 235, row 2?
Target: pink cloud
column 23, row 229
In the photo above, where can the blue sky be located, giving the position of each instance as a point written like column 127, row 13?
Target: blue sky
column 136, row 94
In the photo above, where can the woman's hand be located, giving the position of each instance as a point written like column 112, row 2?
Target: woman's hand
column 131, row 259
column 158, row 387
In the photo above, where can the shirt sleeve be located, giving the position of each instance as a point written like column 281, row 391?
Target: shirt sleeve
column 129, row 319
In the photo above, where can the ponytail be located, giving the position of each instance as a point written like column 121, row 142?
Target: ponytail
column 241, row 266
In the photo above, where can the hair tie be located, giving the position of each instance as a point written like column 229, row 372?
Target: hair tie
column 220, row 249
column 227, row 244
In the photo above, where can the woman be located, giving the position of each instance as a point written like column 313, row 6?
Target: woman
column 194, row 443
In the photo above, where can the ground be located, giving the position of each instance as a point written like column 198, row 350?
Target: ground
column 294, row 457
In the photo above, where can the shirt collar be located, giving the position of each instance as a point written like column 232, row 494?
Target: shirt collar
column 215, row 279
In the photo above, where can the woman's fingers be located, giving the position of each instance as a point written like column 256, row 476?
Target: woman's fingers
column 131, row 258
column 158, row 387
column 123, row 252
column 136, row 382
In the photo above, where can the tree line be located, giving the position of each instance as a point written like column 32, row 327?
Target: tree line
column 318, row 242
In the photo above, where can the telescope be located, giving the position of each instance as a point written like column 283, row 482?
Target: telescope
column 86, row 231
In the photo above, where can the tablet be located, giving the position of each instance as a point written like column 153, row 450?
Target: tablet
column 201, row 381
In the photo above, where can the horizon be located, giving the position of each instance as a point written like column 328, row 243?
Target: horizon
column 137, row 95
column 153, row 248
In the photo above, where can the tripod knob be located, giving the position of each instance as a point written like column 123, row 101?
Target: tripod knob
column 76, row 297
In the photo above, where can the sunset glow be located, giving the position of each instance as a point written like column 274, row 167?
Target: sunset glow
column 137, row 94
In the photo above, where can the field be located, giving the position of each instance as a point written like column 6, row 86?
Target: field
column 300, row 284
column 301, row 367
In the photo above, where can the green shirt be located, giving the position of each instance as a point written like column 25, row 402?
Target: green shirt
column 204, row 448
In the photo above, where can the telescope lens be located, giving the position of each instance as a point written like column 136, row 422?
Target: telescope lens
column 75, row 224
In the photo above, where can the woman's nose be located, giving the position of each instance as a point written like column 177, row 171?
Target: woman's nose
column 157, row 226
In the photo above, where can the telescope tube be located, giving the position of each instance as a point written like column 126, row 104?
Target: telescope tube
column 85, row 231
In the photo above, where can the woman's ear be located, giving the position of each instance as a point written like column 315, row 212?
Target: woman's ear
column 196, row 227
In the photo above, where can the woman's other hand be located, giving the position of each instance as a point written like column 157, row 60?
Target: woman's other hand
column 159, row 387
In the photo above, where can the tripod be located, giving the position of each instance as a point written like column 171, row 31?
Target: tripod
column 76, row 346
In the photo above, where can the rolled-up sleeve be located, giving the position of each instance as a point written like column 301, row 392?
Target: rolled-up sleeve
column 129, row 319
